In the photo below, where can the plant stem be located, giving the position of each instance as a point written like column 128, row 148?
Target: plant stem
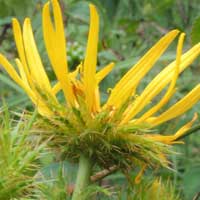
column 102, row 174
column 83, row 177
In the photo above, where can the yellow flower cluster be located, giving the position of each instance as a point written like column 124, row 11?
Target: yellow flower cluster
column 84, row 81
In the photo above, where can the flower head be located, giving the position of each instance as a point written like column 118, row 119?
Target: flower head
column 114, row 132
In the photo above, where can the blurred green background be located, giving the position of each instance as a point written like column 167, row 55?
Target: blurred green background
column 128, row 29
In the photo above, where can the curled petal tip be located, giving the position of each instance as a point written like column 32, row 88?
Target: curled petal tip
column 14, row 20
column 92, row 5
column 176, row 31
column 46, row 4
column 27, row 21
column 92, row 8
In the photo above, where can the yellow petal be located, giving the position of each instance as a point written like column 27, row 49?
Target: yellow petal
column 159, row 82
column 11, row 71
column 185, row 128
column 97, row 99
column 104, row 72
column 56, row 48
column 179, row 108
column 131, row 79
column 33, row 58
column 33, row 88
column 89, row 66
column 42, row 108
column 59, row 34
column 56, row 88
column 165, row 139
column 171, row 139
column 171, row 88
column 21, row 71
column 20, row 47
column 21, row 51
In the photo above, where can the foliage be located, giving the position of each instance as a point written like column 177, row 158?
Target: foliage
column 195, row 31
column 18, row 158
column 54, row 187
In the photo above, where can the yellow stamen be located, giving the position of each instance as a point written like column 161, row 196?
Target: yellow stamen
column 57, row 87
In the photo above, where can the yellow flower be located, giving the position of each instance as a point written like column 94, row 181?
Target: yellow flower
column 83, row 115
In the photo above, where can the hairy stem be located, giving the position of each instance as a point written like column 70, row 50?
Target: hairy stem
column 83, row 178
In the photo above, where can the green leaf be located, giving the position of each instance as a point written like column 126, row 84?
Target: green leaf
column 4, row 79
column 195, row 35
column 5, row 20
column 191, row 182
